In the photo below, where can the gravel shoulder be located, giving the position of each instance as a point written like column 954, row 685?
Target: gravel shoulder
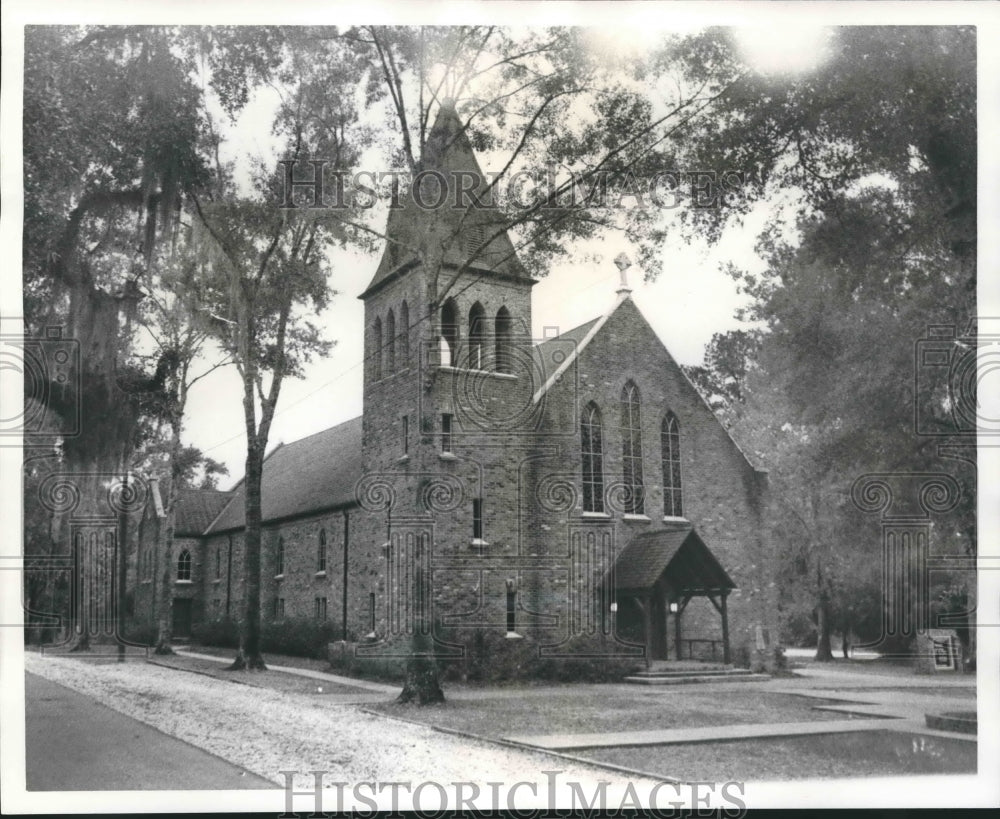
column 267, row 731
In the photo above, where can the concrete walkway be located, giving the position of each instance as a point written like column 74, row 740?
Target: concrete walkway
column 73, row 743
column 367, row 685
column 714, row 733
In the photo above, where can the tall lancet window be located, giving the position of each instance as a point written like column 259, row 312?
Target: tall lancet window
column 377, row 349
column 670, row 446
column 390, row 343
column 477, row 324
column 592, row 449
column 449, row 333
column 502, row 330
column 632, row 450
column 404, row 336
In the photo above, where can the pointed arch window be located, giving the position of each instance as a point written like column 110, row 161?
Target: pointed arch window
column 404, row 336
column 592, row 449
column 279, row 558
column 632, row 450
column 321, row 552
column 449, row 332
column 377, row 349
column 390, row 343
column 502, row 331
column 184, row 565
column 477, row 341
column 670, row 447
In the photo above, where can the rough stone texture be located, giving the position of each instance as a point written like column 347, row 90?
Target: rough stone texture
column 413, row 561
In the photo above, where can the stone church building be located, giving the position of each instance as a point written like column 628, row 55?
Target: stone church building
column 574, row 490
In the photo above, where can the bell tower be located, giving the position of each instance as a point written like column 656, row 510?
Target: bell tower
column 449, row 297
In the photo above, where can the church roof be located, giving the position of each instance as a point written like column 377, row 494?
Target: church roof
column 197, row 508
column 316, row 472
column 581, row 336
column 677, row 552
column 460, row 228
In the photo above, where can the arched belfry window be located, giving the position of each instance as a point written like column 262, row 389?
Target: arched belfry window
column 592, row 449
column 632, row 450
column 670, row 447
column 404, row 336
column 390, row 343
column 502, row 331
column 184, row 565
column 449, row 332
column 477, row 327
column 377, row 349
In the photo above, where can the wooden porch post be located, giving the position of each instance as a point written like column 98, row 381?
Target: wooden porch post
column 647, row 618
column 677, row 630
column 725, row 630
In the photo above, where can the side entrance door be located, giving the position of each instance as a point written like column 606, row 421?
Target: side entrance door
column 182, row 617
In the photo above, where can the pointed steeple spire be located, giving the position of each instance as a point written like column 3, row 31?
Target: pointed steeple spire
column 448, row 159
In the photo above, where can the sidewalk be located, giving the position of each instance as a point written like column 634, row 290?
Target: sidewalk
column 351, row 682
column 73, row 743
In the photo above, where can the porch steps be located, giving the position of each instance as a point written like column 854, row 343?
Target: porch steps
column 682, row 676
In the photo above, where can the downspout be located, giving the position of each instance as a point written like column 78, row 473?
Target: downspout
column 229, row 572
column 343, row 596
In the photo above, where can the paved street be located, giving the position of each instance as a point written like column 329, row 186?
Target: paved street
column 76, row 744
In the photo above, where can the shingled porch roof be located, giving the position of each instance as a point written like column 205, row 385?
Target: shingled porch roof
column 677, row 553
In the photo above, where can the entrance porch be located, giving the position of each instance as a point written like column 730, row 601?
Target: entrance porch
column 654, row 579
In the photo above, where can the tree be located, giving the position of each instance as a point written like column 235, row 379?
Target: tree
column 878, row 146
column 179, row 339
column 263, row 268
column 110, row 128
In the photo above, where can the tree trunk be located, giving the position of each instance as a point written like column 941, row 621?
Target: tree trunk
column 165, row 624
column 249, row 657
column 824, row 653
column 845, row 643
column 165, row 629
column 421, row 685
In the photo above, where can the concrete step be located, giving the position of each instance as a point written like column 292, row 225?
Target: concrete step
column 684, row 679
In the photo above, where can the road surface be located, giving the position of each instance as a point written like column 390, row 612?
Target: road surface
column 76, row 744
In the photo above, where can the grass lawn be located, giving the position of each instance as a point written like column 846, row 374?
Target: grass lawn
column 277, row 680
column 865, row 753
column 598, row 708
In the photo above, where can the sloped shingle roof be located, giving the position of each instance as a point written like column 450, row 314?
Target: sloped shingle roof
column 313, row 473
column 449, row 152
column 197, row 508
column 679, row 552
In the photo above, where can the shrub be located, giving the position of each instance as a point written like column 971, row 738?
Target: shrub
column 381, row 666
column 144, row 634
column 223, row 633
column 298, row 637
column 491, row 657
